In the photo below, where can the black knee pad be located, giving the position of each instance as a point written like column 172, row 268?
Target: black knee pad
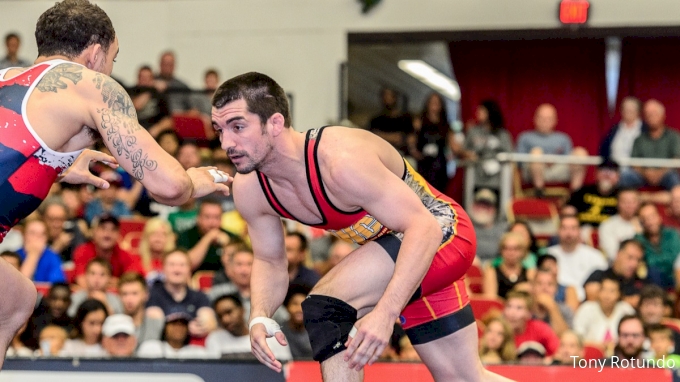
column 328, row 322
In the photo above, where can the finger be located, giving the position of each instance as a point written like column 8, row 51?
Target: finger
column 262, row 356
column 224, row 189
column 281, row 338
column 363, row 354
column 353, row 343
column 99, row 156
column 96, row 181
column 262, row 342
column 377, row 354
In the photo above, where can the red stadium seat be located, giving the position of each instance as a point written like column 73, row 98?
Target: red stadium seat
column 593, row 351
column 43, row 288
column 203, row 280
column 540, row 214
column 474, row 279
column 190, row 127
column 481, row 306
column 128, row 225
column 672, row 323
column 131, row 241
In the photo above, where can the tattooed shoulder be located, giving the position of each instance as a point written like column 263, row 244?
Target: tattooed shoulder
column 56, row 78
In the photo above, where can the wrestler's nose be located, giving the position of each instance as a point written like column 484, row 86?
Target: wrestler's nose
column 226, row 141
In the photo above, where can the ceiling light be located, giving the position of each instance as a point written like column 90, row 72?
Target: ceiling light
column 431, row 77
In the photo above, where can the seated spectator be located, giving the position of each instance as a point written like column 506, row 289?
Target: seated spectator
column 52, row 340
column 17, row 348
column 63, row 235
column 297, row 338
column 618, row 144
column 239, row 270
column 118, row 336
column 227, row 201
column 150, row 102
column 484, row 141
column 86, row 336
column 499, row 280
column 12, row 59
column 51, row 311
column 233, row 336
column 338, row 251
column 651, row 309
column 497, row 344
column 671, row 218
column 169, row 141
column 97, row 282
column 173, row 295
column 107, row 201
column 657, row 141
column 175, row 341
column 546, row 308
column 571, row 349
column 631, row 336
column 622, row 226
column 595, row 203
column 188, row 154
column 12, row 258
column 296, row 251
column 202, row 102
column 488, row 229
column 157, row 239
column 104, row 245
column 134, row 294
column 177, row 91
column 576, row 261
column 661, row 244
column 531, row 353
column 597, row 321
column 185, row 217
column 517, row 312
column 545, row 140
column 624, row 269
column 564, row 294
column 38, row 262
column 662, row 340
column 522, row 228
column 206, row 240
column 392, row 124
column 222, row 275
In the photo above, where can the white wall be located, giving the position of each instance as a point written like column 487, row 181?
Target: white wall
column 301, row 43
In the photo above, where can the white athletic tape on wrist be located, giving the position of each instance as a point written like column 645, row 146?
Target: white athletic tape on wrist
column 269, row 324
column 353, row 332
column 218, row 176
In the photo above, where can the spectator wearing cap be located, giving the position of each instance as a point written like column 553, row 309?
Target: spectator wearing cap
column 38, row 262
column 175, row 341
column 97, row 282
column 595, row 203
column 104, row 245
column 107, row 201
column 662, row 246
column 624, row 268
column 172, row 295
column 597, row 321
column 517, row 313
column 118, row 336
column 622, row 226
column 531, row 353
column 484, row 218
column 233, row 336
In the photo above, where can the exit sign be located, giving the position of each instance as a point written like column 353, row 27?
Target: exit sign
column 574, row 11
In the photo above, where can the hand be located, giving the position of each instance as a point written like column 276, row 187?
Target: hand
column 197, row 329
column 258, row 344
column 99, row 296
column 79, row 172
column 221, row 239
column 204, row 182
column 62, row 241
column 369, row 342
column 545, row 300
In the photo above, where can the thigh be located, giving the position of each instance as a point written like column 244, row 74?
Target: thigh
column 557, row 173
column 360, row 279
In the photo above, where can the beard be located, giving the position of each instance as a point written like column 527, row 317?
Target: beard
column 247, row 163
column 482, row 217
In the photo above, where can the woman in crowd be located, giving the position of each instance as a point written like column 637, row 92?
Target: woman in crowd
column 432, row 137
column 175, row 341
column 86, row 337
column 497, row 345
column 157, row 239
column 500, row 279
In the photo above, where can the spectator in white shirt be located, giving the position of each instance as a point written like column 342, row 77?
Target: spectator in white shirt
column 622, row 226
column 576, row 261
column 119, row 338
column 175, row 341
column 87, row 333
column 618, row 143
column 597, row 321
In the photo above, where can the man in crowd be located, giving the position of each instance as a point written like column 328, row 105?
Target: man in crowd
column 11, row 59
column 622, row 226
column 97, row 282
column 63, row 235
column 104, row 245
column 672, row 216
column 517, row 312
column 296, row 251
column 51, row 311
column 545, row 308
column 487, row 227
column 134, row 294
column 595, row 203
column 651, row 307
column 294, row 329
column 150, row 102
column 392, row 124
column 661, row 244
column 205, row 241
column 631, row 339
column 618, row 144
column 177, row 91
column 118, row 336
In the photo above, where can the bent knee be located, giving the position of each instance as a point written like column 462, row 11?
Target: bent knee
column 536, row 151
column 579, row 151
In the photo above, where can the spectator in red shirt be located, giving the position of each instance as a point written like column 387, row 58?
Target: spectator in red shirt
column 104, row 245
column 518, row 314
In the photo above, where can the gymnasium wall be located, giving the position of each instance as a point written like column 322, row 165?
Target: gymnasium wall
column 301, row 43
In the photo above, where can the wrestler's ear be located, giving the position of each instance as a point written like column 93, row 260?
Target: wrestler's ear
column 278, row 123
column 93, row 56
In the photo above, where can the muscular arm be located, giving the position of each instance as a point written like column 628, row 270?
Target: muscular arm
column 269, row 278
column 112, row 113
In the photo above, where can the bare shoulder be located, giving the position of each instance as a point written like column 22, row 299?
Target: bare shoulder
column 249, row 197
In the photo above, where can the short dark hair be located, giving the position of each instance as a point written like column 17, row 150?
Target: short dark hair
column 303, row 239
column 145, row 67
column 13, row 255
column 632, row 242
column 70, row 26
column 543, row 258
column 613, row 279
column 88, row 306
column 661, row 329
column 262, row 94
column 295, row 290
column 12, row 35
column 651, row 292
column 209, row 201
column 131, row 278
column 629, row 317
column 211, row 71
column 234, row 297
column 101, row 262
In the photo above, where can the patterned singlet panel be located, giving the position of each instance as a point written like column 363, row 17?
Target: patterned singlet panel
column 27, row 166
column 359, row 226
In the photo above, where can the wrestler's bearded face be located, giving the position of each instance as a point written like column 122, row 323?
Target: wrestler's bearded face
column 249, row 160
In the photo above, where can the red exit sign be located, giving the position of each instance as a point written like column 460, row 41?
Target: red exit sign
column 574, row 11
